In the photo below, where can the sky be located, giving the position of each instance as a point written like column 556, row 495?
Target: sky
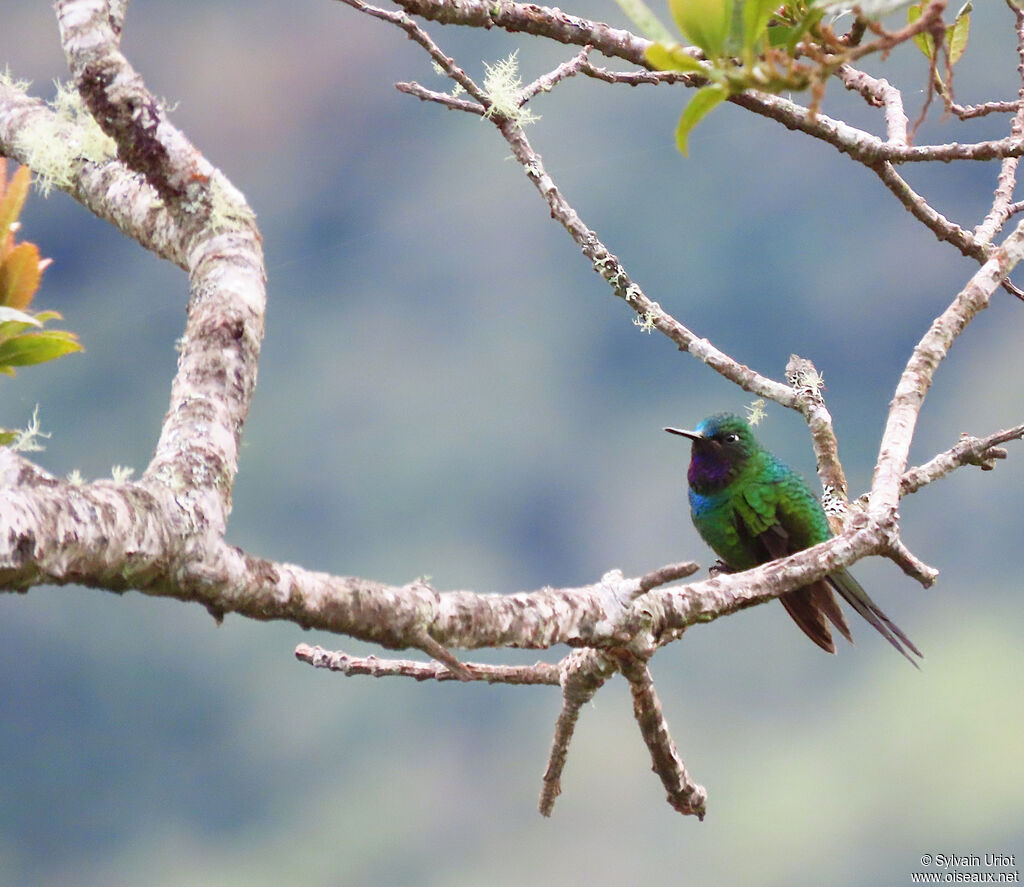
column 447, row 389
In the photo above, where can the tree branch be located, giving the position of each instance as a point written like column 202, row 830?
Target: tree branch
column 120, row 103
column 350, row 666
column 684, row 794
column 980, row 451
column 198, row 446
column 920, row 369
column 52, row 146
column 582, row 673
column 879, row 92
column 1007, row 182
column 164, row 535
column 806, row 380
column 556, row 25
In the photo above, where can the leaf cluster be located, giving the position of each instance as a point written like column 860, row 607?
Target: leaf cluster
column 23, row 340
column 738, row 45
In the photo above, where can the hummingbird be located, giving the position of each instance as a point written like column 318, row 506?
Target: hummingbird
column 752, row 508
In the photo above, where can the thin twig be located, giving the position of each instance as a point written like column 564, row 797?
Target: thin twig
column 548, row 81
column 451, row 102
column 937, row 223
column 519, row 675
column 610, row 268
column 664, row 575
column 416, row 33
column 911, row 564
column 638, row 78
column 1007, row 181
column 881, row 93
column 980, row 451
column 966, row 112
column 1014, row 208
column 683, row 793
column 568, row 29
column 439, row 652
column 930, row 21
column 583, row 673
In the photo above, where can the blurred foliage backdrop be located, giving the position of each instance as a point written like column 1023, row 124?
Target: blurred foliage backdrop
column 448, row 389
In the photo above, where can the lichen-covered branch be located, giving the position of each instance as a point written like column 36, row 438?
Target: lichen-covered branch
column 113, row 91
column 63, row 153
column 805, row 379
column 197, row 453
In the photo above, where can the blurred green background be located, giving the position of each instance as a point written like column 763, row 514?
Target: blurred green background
column 448, row 389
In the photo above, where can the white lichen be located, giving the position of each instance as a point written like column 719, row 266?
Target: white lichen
column 501, row 86
column 7, row 80
column 833, row 501
column 121, row 473
column 645, row 321
column 53, row 145
column 756, row 412
column 28, row 438
column 228, row 209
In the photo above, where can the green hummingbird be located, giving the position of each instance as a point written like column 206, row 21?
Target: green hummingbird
column 752, row 508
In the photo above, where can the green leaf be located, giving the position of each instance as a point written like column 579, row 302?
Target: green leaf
column 705, row 23
column 922, row 41
column 37, row 347
column 639, row 13
column 7, row 437
column 703, row 102
column 673, row 57
column 756, row 15
column 12, row 330
column 44, row 316
column 958, row 33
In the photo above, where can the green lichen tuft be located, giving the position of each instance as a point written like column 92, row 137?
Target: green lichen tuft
column 501, row 86
column 27, row 440
column 54, row 145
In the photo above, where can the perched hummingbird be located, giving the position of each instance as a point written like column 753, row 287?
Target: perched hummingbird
column 751, row 508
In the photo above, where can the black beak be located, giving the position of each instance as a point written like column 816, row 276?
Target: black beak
column 693, row 435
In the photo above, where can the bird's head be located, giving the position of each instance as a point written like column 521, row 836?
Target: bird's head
column 722, row 445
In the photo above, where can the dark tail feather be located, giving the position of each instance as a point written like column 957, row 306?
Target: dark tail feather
column 806, row 612
column 822, row 597
column 858, row 598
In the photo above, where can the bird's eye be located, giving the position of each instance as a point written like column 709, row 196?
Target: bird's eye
column 731, row 437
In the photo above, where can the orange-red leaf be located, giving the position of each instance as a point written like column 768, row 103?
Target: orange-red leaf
column 12, row 199
column 19, row 276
